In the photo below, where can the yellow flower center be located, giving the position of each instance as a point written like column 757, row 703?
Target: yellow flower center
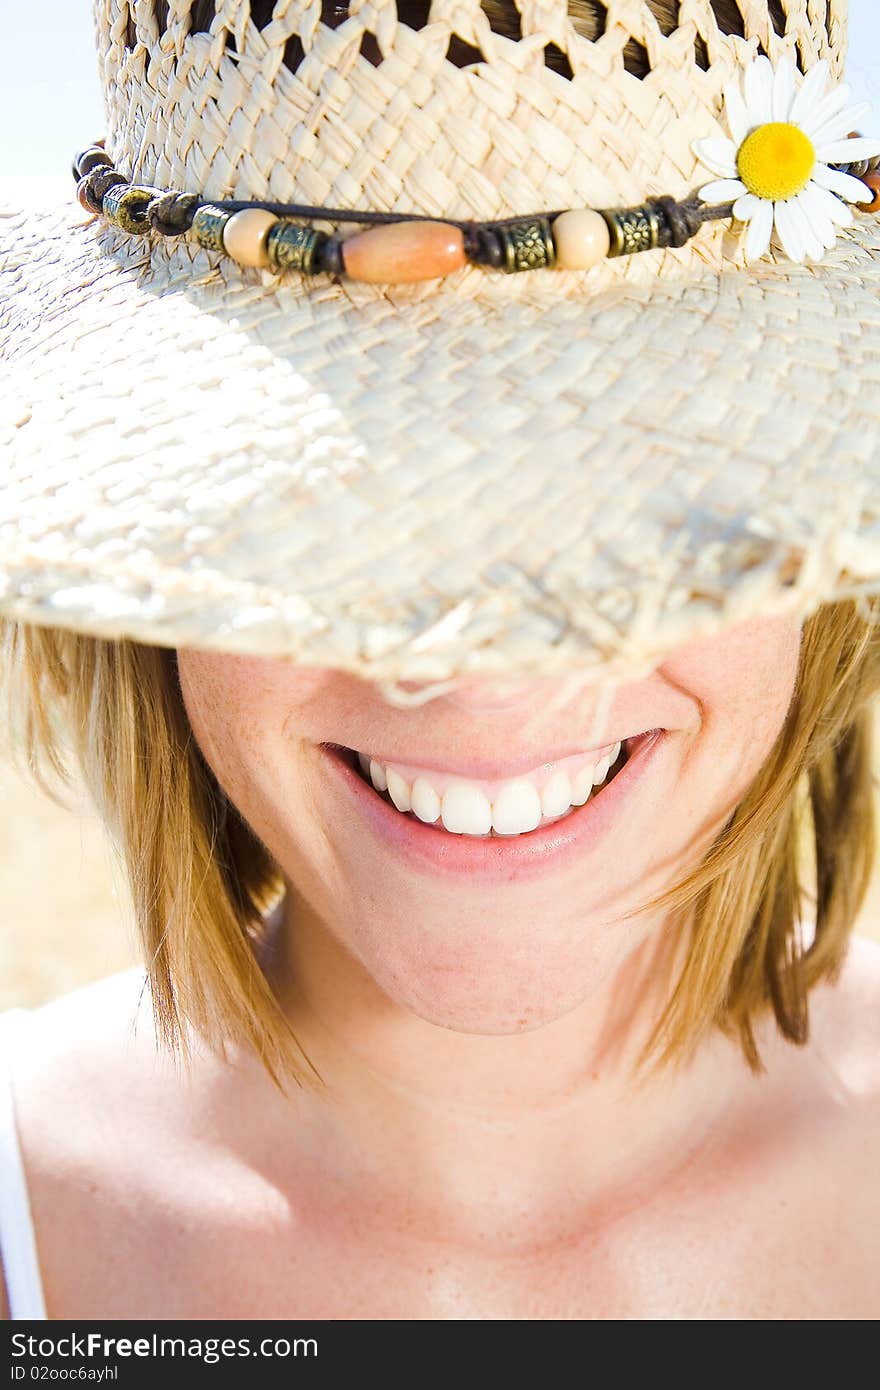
column 776, row 161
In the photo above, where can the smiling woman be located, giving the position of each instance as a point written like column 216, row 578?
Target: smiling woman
column 235, row 772
column 474, row 675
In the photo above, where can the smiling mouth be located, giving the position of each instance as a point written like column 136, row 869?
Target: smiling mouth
column 503, row 809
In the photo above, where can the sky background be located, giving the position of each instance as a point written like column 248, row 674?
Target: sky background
column 51, row 113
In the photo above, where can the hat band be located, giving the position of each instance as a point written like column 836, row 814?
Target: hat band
column 401, row 247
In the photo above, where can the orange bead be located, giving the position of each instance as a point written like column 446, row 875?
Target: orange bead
column 400, row 252
column 873, row 182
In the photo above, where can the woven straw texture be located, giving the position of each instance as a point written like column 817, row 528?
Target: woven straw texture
column 539, row 471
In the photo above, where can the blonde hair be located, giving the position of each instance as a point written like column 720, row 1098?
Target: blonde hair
column 202, row 882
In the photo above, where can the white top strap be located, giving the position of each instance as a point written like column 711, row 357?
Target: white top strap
column 18, row 1246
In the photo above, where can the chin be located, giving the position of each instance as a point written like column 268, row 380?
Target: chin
column 503, row 984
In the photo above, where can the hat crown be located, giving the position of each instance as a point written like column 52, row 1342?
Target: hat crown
column 344, row 104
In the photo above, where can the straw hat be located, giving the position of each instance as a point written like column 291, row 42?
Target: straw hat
column 565, row 468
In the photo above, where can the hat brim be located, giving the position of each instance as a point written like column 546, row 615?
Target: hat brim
column 437, row 479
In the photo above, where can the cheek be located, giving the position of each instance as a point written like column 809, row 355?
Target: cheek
column 743, row 683
column 255, row 721
column 231, row 712
column 216, row 727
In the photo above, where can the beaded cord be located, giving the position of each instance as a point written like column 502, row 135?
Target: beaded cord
column 400, row 247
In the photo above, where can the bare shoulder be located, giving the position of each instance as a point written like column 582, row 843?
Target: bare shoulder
column 81, row 1049
column 791, row 1181
column 91, row 1081
column 83, row 1060
column 832, row 1089
column 101, row 1114
column 845, row 1028
column 68, row 1065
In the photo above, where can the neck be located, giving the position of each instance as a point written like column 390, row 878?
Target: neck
column 552, row 1124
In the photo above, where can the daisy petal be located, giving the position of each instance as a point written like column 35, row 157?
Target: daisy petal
column 718, row 155
column 737, row 115
column 747, row 207
column 826, row 232
column 813, row 244
column 838, row 212
column 848, row 151
column 760, row 231
column 826, row 109
column 844, row 185
column 822, row 224
column 783, row 89
column 759, row 90
column 722, row 190
column 788, row 229
column 811, row 92
column 839, row 126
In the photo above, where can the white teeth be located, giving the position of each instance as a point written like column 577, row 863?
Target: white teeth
column 398, row 790
column 465, row 808
column 466, row 811
column 556, row 796
column 516, row 809
column 425, row 801
column 600, row 772
column 582, row 785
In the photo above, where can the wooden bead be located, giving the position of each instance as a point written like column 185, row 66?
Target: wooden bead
column 83, row 199
column 873, row 182
column 582, row 239
column 401, row 252
column 244, row 236
column 93, row 158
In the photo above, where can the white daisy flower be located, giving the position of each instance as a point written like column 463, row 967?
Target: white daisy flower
column 776, row 167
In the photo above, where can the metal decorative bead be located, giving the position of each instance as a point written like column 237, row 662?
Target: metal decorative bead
column 244, row 236
column 632, row 230
column 126, row 205
column 293, row 246
column 401, row 253
column 207, row 226
column 527, row 244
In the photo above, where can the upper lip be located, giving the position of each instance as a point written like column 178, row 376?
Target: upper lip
column 486, row 769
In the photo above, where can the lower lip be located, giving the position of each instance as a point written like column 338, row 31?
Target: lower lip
column 498, row 859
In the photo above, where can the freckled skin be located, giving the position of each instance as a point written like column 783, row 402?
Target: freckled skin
column 437, row 949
